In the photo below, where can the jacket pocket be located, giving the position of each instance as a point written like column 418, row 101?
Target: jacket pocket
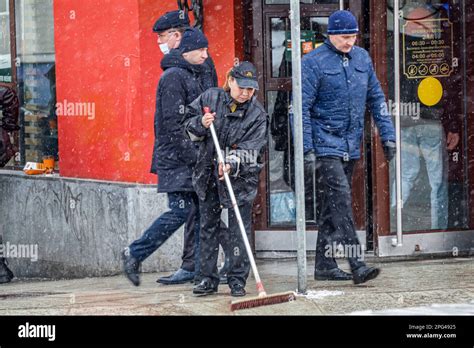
column 362, row 76
column 332, row 74
column 361, row 68
column 331, row 82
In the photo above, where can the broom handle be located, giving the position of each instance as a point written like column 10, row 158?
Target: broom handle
column 260, row 288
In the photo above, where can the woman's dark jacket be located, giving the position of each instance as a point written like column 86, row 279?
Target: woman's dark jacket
column 242, row 136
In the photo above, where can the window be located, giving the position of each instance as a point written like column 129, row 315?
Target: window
column 312, row 29
column 5, row 48
column 35, row 64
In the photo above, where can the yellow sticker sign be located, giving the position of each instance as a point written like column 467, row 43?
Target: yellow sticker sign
column 430, row 91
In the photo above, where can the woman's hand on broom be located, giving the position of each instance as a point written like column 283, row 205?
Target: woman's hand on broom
column 207, row 119
column 221, row 172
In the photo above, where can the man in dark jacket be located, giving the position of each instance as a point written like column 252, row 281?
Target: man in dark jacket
column 170, row 28
column 174, row 154
column 338, row 81
column 8, row 123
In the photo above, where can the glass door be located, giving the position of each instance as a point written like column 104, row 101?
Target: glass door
column 6, row 71
column 432, row 117
column 433, row 128
column 278, row 101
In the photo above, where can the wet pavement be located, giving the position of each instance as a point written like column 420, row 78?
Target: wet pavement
column 437, row 287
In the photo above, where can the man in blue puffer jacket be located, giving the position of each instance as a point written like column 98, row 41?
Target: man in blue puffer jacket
column 338, row 81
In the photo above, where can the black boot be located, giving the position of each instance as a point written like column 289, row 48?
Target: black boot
column 181, row 276
column 364, row 273
column 332, row 274
column 6, row 275
column 237, row 290
column 131, row 267
column 205, row 287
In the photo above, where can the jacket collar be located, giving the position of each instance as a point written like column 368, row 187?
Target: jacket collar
column 329, row 44
column 175, row 59
column 241, row 108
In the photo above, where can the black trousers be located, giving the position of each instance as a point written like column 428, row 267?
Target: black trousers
column 231, row 239
column 336, row 222
column 192, row 225
column 190, row 261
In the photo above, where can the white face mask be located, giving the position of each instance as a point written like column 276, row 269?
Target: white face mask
column 164, row 48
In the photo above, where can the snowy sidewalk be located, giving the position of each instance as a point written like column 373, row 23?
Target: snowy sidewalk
column 408, row 287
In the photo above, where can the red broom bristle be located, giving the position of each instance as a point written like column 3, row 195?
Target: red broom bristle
column 263, row 301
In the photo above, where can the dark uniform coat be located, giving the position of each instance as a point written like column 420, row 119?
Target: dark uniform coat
column 242, row 136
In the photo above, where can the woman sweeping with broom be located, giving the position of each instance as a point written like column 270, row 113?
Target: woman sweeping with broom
column 241, row 123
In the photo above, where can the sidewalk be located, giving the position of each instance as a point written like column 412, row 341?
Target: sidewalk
column 411, row 287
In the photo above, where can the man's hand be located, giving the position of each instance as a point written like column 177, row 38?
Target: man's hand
column 452, row 140
column 221, row 172
column 207, row 119
column 310, row 160
column 389, row 150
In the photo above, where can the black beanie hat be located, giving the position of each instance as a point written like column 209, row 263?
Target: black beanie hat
column 173, row 19
column 193, row 39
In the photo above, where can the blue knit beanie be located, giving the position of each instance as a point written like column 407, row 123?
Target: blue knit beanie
column 342, row 23
column 193, row 39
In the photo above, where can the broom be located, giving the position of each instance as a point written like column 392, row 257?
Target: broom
column 262, row 299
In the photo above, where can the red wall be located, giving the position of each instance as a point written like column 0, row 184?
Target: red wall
column 107, row 56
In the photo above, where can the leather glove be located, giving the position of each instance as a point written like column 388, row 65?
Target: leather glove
column 389, row 150
column 310, row 160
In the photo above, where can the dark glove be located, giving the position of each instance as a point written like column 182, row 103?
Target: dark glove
column 389, row 150
column 310, row 160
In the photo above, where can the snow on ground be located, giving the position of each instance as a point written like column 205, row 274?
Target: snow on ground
column 318, row 295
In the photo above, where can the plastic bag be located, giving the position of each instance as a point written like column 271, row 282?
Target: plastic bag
column 282, row 207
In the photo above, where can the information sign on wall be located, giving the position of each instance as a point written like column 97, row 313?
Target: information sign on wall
column 428, row 48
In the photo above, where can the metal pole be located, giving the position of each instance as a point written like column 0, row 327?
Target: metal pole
column 398, row 168
column 341, row 4
column 298, row 138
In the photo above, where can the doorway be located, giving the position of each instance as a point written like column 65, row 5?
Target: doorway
column 271, row 52
column 437, row 216
column 434, row 118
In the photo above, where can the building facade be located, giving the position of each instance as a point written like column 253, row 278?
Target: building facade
column 86, row 73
